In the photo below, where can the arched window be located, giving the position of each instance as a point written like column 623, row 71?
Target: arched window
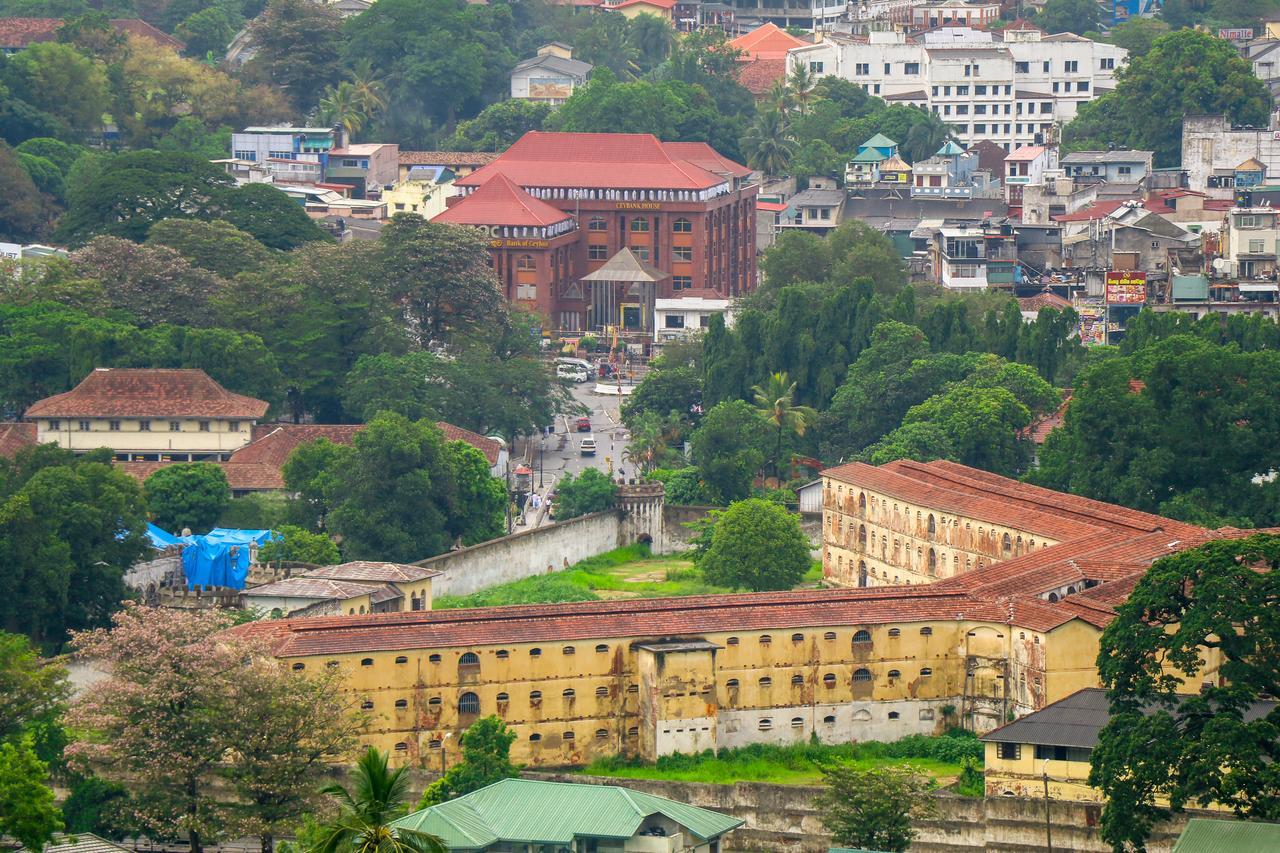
column 534, row 653
column 602, row 691
column 797, row 638
column 893, row 715
column 366, row 662
column 797, row 722
column 829, row 720
column 602, row 649
column 525, row 262
column 933, row 526
column 469, row 664
column 402, row 746
column 862, row 674
column 602, row 734
column 535, row 696
column 402, row 703
column 402, row 659
column 1006, row 545
column 298, row 667
column 361, row 609
column 732, row 684
column 568, row 694
column 862, row 505
column 366, row 705
column 468, row 703
column 797, row 679
column 568, row 650
column 765, row 725
column 433, row 659
column 925, row 672
column 566, row 736
column 639, row 224
column 333, row 664
column 634, row 731
column 830, row 635
column 1053, row 596
column 828, row 680
column 535, row 737
column 862, row 637
column 894, row 632
column 503, row 697
column 503, row 654
column 766, row 681
column 682, row 226
column 732, row 641
column 765, row 639
column 597, row 223
column 862, row 715
column 893, row 673
column 926, row 631
column 435, row 702
column 933, row 563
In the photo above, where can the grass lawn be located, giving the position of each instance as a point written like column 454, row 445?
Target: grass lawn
column 628, row 572
column 800, row 764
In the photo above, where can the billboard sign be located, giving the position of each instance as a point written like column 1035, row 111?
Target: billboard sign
column 1237, row 34
column 1092, row 323
column 1126, row 288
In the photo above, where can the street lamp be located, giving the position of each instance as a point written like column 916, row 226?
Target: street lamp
column 1048, row 827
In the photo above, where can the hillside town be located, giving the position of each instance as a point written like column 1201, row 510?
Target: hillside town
column 639, row 426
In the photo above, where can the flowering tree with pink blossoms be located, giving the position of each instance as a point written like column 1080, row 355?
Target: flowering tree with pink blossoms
column 185, row 703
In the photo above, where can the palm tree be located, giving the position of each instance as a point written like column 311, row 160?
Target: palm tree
column 363, row 822
column 339, row 107
column 652, row 37
column 801, row 82
column 779, row 97
column 768, row 143
column 926, row 136
column 774, row 402
column 369, row 92
column 647, row 445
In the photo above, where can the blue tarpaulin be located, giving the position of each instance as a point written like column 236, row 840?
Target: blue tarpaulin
column 218, row 558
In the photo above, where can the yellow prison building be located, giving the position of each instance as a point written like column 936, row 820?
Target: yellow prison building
column 1016, row 632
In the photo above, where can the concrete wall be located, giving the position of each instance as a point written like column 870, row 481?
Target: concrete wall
column 675, row 536
column 782, row 819
column 524, row 554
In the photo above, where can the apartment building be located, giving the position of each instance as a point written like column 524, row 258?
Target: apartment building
column 1010, row 87
column 1250, row 241
column 940, row 13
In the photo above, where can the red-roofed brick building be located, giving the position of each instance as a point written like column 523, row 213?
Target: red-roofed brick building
column 568, row 202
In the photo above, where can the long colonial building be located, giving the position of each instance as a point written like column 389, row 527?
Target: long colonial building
column 557, row 206
column 1018, row 630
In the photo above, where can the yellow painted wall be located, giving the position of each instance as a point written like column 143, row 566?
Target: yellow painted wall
column 220, row 436
column 639, row 9
column 901, row 543
column 1024, row 776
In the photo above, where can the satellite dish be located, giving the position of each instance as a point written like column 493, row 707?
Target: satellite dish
column 1219, row 264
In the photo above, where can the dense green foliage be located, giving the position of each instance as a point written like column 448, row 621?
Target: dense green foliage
column 300, row 545
column 588, row 492
column 486, row 758
column 187, row 495
column 756, row 545
column 874, row 809
column 1184, row 73
column 1196, row 748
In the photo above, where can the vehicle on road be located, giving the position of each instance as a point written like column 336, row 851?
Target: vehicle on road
column 572, row 372
column 588, row 446
column 584, row 424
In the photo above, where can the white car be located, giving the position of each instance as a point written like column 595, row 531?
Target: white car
column 588, row 446
column 573, row 372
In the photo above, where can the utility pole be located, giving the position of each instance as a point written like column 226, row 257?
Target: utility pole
column 1048, row 826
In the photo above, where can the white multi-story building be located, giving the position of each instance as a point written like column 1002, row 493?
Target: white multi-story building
column 1011, row 87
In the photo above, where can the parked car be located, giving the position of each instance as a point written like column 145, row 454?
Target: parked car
column 572, row 372
column 584, row 424
column 588, row 446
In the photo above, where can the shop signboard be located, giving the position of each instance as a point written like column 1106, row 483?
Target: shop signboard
column 1126, row 288
column 1093, row 318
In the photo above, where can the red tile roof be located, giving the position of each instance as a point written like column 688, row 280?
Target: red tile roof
column 367, row 571
column 490, row 447
column 14, row 436
column 1044, row 299
column 657, row 4
column 757, row 76
column 767, row 41
column 498, row 201
column 241, row 476
column 1026, row 152
column 272, row 443
column 447, row 158
column 129, row 392
column 704, row 156
column 596, row 160
column 323, row 589
column 20, row 32
column 1040, row 428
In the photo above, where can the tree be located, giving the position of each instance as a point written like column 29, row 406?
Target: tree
column 801, row 82
column 979, row 427
column 481, row 498
column 61, row 81
column 217, row 246
column 56, row 151
column 98, row 806
column 796, row 257
column 160, row 718
column 298, row 49
column 757, row 545
column 928, row 133
column 647, row 447
column 816, row 158
column 1069, row 16
column 728, row 449
column 271, row 217
column 683, row 487
column 291, row 726
column 312, row 474
column 591, row 491
column 499, row 125
column 670, row 389
column 1137, row 35
column 34, row 690
column 486, row 758
column 768, row 144
column 874, row 809
column 299, row 545
column 187, row 495
column 441, row 274
column 653, row 38
column 151, row 284
column 44, row 173
column 1216, row 603
column 27, row 810
column 364, row 814
column 339, row 107
column 24, row 210
column 1185, row 73
column 774, row 402
column 208, row 31
column 860, row 251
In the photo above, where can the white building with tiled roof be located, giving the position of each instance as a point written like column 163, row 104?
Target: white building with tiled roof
column 1010, row 87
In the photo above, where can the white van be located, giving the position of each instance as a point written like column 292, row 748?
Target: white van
column 588, row 446
column 573, row 372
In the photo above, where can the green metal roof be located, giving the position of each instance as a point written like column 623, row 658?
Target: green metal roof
column 879, row 141
column 1206, row 835
column 869, row 155
column 530, row 811
column 949, row 150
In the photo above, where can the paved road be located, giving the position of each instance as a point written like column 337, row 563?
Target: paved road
column 606, row 427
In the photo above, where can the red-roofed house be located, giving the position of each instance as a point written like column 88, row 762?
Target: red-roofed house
column 764, row 59
column 567, row 202
column 17, row 33
column 632, row 8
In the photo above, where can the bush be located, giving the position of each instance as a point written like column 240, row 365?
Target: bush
column 543, row 589
column 591, row 491
column 298, row 545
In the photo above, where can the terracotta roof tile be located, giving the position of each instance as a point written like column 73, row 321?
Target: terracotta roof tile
column 447, row 158
column 704, row 156
column 498, row 201
column 14, row 436
column 20, row 32
column 767, row 41
column 129, row 392
column 757, row 76
column 272, row 443
column 365, row 571
column 491, row 448
column 598, row 160
column 1044, row 299
column 241, row 477
column 318, row 588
